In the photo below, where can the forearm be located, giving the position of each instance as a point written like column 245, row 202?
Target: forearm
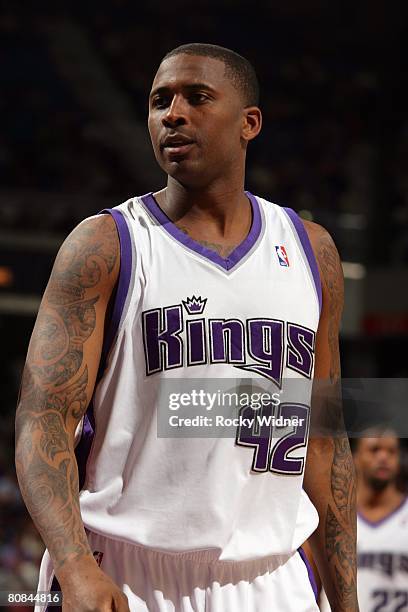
column 48, row 477
column 47, row 469
column 332, row 491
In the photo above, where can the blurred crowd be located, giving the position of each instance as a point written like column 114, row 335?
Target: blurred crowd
column 20, row 546
column 335, row 137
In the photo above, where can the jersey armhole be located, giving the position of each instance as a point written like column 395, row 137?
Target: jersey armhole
column 115, row 315
column 306, row 247
column 119, row 300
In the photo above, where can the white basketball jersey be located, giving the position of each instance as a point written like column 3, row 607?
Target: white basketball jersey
column 184, row 316
column 382, row 576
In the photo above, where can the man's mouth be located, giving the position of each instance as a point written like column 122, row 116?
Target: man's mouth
column 382, row 471
column 178, row 150
column 177, row 144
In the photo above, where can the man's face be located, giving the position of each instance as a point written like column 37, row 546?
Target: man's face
column 196, row 120
column 378, row 460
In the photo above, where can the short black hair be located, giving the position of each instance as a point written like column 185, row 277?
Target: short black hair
column 238, row 69
column 376, row 431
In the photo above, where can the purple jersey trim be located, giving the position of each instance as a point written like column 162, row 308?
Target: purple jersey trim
column 237, row 254
column 375, row 524
column 83, row 448
column 125, row 275
column 307, row 247
column 309, row 572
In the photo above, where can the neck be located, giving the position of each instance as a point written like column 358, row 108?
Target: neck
column 220, row 209
column 369, row 499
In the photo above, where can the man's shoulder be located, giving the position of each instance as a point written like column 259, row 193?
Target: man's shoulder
column 328, row 262
column 93, row 241
column 317, row 234
column 324, row 248
column 96, row 229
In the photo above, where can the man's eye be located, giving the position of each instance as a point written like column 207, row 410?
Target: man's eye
column 198, row 98
column 160, row 102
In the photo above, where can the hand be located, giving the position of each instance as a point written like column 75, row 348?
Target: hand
column 86, row 588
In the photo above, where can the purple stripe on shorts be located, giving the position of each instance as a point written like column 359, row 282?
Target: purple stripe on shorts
column 309, row 572
column 237, row 254
column 307, row 247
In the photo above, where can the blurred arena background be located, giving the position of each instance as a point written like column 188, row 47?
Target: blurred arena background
column 74, row 85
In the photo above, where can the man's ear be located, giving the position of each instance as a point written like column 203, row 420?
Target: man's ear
column 251, row 122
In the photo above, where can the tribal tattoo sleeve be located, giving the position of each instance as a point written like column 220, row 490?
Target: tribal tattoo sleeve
column 329, row 476
column 58, row 381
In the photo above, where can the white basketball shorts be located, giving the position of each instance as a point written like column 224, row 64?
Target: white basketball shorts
column 156, row 581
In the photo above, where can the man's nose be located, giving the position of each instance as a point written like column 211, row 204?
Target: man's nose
column 176, row 113
column 383, row 456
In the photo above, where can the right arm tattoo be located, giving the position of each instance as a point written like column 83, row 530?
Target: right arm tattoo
column 58, row 381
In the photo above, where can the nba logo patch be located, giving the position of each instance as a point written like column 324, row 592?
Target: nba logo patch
column 282, row 256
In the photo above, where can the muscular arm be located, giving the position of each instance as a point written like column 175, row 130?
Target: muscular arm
column 329, row 476
column 57, row 385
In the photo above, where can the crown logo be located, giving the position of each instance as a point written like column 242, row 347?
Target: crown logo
column 195, row 305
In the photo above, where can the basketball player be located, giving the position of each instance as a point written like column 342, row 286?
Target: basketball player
column 382, row 525
column 199, row 280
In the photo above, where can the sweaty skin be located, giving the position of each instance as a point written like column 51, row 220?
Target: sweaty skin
column 209, row 127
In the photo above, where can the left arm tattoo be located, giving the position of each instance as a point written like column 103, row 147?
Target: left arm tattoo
column 330, row 479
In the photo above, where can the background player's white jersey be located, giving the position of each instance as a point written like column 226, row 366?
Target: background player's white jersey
column 382, row 548
column 182, row 312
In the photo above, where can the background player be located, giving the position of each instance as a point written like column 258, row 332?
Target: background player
column 203, row 113
column 382, row 524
